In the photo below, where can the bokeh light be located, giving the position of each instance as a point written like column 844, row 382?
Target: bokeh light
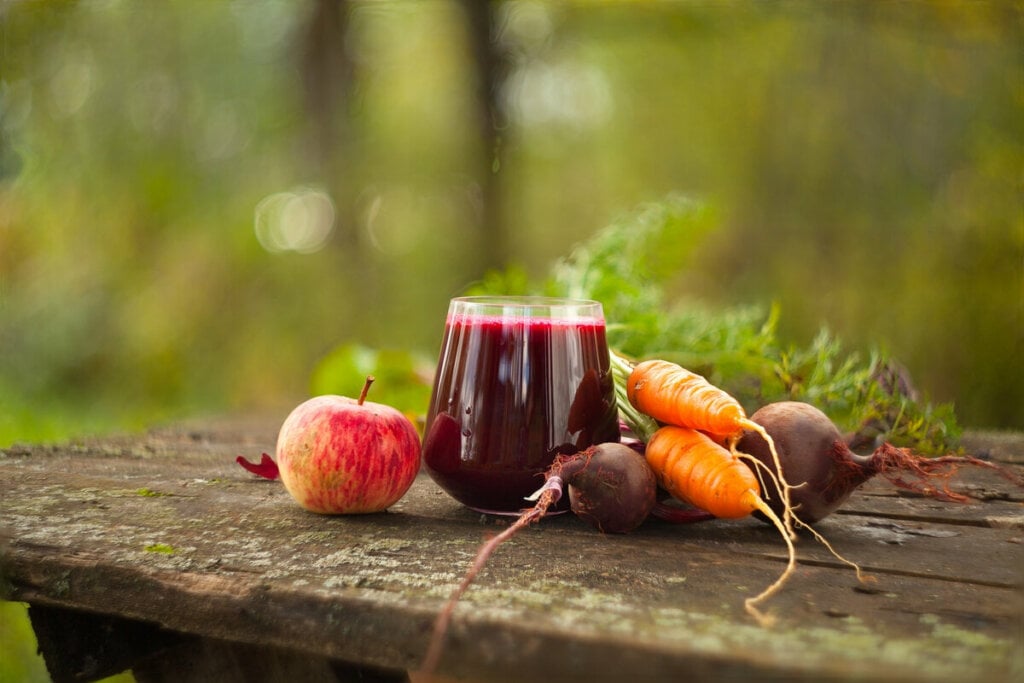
column 299, row 220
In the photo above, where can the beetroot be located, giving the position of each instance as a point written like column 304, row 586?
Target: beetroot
column 611, row 486
column 824, row 471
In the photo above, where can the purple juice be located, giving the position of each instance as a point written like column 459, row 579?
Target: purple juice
column 518, row 382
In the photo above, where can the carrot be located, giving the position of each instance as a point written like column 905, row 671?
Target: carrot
column 673, row 395
column 695, row 469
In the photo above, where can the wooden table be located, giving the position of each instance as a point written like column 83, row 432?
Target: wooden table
column 156, row 551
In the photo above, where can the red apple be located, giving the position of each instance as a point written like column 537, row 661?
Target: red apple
column 340, row 455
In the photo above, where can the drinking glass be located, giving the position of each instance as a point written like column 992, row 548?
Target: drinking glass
column 519, row 381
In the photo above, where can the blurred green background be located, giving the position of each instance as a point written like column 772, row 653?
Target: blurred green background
column 199, row 200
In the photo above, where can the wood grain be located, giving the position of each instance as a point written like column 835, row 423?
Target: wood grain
column 164, row 528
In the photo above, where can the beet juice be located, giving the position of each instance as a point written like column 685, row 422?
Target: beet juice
column 519, row 380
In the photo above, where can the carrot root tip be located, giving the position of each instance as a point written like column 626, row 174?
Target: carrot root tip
column 763, row 619
column 751, row 603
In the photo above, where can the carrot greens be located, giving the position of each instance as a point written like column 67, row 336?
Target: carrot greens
column 637, row 268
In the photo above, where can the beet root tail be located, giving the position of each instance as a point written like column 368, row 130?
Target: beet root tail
column 930, row 476
column 548, row 497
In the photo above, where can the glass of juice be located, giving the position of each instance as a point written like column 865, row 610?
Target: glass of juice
column 519, row 381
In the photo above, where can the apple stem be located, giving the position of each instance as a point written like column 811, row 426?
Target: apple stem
column 366, row 389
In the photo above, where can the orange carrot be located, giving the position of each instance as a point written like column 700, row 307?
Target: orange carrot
column 695, row 469
column 673, row 395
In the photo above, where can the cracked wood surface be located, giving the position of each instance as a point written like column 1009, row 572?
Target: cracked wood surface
column 165, row 528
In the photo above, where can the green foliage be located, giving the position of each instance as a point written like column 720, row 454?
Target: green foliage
column 889, row 413
column 18, row 658
column 623, row 264
column 401, row 378
column 512, row 281
column 37, row 419
column 630, row 266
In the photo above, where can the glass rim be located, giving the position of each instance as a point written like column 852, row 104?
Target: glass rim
column 526, row 300
column 527, row 306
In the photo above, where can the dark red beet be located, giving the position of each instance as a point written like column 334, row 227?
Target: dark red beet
column 611, row 486
column 813, row 455
column 811, row 449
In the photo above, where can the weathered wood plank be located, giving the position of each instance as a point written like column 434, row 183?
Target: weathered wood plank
column 165, row 528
